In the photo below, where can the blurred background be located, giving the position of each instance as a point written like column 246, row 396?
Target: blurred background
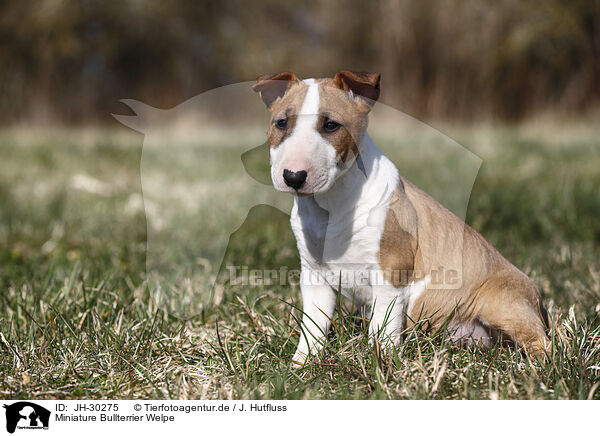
column 71, row 61
column 514, row 82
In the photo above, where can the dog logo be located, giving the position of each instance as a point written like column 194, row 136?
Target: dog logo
column 26, row 415
column 206, row 180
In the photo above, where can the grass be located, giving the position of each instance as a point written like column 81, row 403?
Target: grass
column 79, row 318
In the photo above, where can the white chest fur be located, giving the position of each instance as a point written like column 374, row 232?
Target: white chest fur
column 339, row 232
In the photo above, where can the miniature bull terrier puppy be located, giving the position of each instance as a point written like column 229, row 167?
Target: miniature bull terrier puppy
column 365, row 231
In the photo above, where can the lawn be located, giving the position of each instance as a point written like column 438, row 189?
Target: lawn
column 81, row 318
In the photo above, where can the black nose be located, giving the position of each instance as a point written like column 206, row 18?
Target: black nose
column 294, row 179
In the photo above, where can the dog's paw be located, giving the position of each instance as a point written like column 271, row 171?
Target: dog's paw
column 297, row 364
column 299, row 359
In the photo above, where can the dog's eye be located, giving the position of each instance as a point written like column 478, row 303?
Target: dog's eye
column 331, row 126
column 281, row 124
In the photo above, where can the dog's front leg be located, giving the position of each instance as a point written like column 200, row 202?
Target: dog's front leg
column 318, row 301
column 386, row 317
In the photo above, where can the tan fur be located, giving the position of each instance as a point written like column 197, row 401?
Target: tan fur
column 398, row 247
column 352, row 114
column 489, row 289
column 273, row 86
column 286, row 107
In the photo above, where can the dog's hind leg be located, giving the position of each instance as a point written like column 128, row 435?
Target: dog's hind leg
column 512, row 305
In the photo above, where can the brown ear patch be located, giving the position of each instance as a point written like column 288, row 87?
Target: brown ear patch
column 365, row 85
column 272, row 86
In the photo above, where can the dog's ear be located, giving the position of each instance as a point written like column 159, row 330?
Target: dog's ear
column 272, row 86
column 365, row 85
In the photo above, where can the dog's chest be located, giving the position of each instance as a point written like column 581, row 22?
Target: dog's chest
column 340, row 246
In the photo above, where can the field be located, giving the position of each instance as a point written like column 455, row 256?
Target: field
column 80, row 318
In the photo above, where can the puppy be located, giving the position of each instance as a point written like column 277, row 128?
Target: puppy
column 365, row 231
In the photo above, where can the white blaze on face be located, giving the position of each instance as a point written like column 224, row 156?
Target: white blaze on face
column 309, row 113
column 305, row 149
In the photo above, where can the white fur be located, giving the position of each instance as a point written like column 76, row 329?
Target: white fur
column 416, row 289
column 338, row 233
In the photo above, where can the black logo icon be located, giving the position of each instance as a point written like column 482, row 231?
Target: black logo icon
column 26, row 415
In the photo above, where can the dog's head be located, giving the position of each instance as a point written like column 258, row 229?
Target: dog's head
column 316, row 126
